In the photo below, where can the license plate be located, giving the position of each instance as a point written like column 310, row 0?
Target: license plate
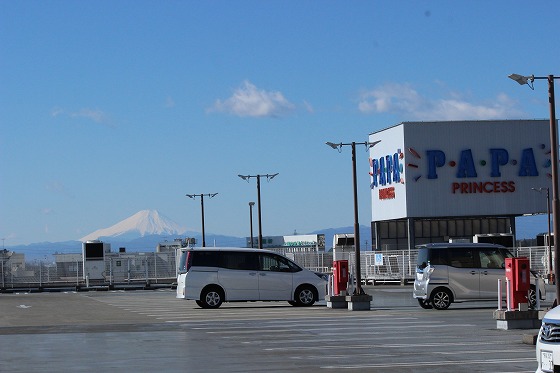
column 547, row 364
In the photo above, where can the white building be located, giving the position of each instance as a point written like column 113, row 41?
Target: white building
column 291, row 244
column 439, row 181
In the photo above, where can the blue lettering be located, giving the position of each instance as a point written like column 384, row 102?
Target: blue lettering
column 375, row 171
column 436, row 158
column 527, row 165
column 389, row 169
column 500, row 157
column 382, row 180
column 466, row 165
column 396, row 168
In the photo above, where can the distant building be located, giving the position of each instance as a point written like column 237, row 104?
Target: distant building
column 11, row 264
column 302, row 243
column 442, row 181
column 175, row 245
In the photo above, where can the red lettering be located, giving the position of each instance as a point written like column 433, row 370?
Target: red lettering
column 478, row 188
column 454, row 187
column 387, row 193
column 483, row 187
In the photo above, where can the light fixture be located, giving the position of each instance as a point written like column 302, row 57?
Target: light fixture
column 258, row 177
column 521, row 79
column 193, row 196
column 357, row 264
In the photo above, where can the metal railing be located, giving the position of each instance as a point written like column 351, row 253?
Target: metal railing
column 160, row 268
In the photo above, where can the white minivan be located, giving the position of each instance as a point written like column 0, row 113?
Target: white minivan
column 211, row 276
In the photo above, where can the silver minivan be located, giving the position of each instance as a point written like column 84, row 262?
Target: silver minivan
column 211, row 276
column 455, row 272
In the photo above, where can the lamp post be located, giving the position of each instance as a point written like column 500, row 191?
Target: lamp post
column 553, row 159
column 357, row 264
column 251, row 204
column 193, row 196
column 258, row 177
column 549, row 269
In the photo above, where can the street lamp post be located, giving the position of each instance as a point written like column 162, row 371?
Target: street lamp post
column 357, row 264
column 549, row 250
column 553, row 159
column 258, row 177
column 193, row 196
column 251, row 204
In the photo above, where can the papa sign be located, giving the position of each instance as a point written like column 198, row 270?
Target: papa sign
column 389, row 169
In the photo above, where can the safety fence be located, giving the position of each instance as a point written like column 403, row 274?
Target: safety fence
column 118, row 269
column 159, row 269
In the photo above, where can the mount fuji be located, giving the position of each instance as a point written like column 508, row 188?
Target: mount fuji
column 143, row 223
column 145, row 229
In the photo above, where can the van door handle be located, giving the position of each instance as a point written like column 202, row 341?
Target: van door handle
column 252, row 273
column 473, row 273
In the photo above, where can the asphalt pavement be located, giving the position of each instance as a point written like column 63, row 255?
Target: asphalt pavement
column 152, row 331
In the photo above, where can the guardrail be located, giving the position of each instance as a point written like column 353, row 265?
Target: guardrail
column 152, row 269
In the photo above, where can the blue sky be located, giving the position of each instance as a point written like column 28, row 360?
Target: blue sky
column 112, row 107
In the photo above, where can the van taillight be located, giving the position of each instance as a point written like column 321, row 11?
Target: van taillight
column 189, row 260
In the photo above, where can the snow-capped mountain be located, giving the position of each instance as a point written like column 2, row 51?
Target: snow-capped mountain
column 143, row 223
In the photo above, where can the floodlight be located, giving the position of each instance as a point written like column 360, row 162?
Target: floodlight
column 333, row 145
column 372, row 144
column 523, row 79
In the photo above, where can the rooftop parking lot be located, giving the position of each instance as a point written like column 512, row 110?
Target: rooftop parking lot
column 147, row 331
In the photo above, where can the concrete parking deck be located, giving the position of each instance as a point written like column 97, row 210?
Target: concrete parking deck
column 147, row 331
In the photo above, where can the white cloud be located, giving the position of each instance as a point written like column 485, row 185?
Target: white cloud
column 58, row 188
column 169, row 102
column 47, row 211
column 95, row 115
column 248, row 101
column 404, row 100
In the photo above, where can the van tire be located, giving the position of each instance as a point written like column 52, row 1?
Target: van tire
column 441, row 298
column 305, row 296
column 211, row 297
column 425, row 304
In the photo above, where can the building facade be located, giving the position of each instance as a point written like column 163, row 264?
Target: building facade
column 445, row 181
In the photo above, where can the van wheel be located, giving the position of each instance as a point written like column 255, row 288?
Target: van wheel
column 441, row 298
column 211, row 297
column 305, row 296
column 425, row 304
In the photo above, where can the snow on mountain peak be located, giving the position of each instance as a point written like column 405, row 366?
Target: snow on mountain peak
column 143, row 223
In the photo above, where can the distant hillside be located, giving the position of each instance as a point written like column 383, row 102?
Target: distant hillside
column 144, row 230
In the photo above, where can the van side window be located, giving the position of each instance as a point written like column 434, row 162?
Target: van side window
column 240, row 260
column 439, row 257
column 276, row 263
column 491, row 258
column 205, row 258
column 462, row 257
